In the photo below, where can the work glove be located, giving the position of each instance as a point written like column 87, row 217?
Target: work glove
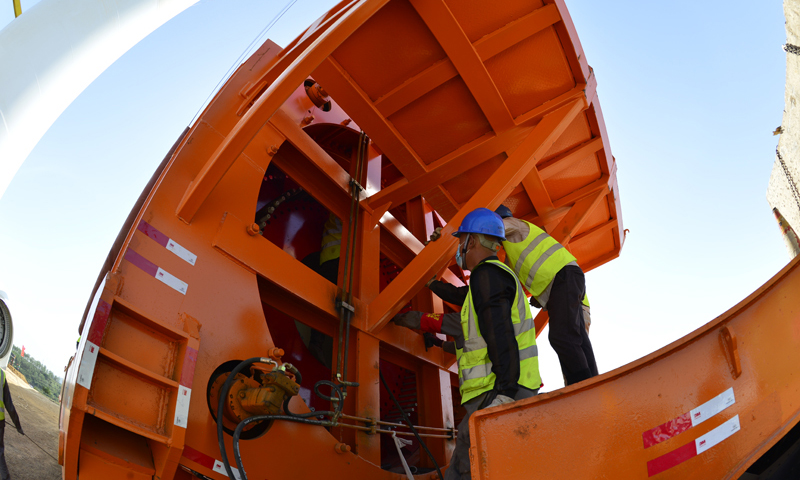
column 534, row 303
column 431, row 340
column 410, row 319
column 500, row 400
column 433, row 279
column 437, row 233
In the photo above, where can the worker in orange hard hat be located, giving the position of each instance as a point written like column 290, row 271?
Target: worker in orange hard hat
column 552, row 275
column 497, row 356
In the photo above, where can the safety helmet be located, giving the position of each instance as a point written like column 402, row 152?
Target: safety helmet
column 503, row 211
column 484, row 221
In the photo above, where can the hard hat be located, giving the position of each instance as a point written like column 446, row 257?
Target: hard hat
column 484, row 221
column 503, row 211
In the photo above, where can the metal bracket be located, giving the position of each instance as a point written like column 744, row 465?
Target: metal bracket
column 731, row 350
column 340, row 304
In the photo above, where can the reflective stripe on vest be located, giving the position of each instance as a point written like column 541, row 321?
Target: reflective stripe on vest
column 331, row 240
column 537, row 259
column 2, row 403
column 475, row 368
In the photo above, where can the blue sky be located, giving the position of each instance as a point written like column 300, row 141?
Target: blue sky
column 690, row 91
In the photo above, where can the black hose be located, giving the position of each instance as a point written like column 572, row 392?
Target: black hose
column 221, row 405
column 238, row 432
column 410, row 425
column 304, row 418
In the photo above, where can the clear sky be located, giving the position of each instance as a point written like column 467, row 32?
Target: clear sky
column 691, row 92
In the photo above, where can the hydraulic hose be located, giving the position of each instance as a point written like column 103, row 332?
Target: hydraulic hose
column 336, row 397
column 410, row 425
column 221, row 406
column 304, row 418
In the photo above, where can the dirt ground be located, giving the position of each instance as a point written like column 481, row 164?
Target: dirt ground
column 34, row 455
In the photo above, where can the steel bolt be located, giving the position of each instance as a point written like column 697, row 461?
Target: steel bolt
column 272, row 150
column 341, row 448
column 276, row 353
column 253, row 229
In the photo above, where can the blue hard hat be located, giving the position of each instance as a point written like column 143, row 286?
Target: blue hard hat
column 503, row 211
column 482, row 220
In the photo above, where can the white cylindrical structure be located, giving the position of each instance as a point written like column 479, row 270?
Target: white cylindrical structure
column 52, row 52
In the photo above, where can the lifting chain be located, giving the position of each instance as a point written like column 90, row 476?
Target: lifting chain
column 789, row 48
column 792, row 185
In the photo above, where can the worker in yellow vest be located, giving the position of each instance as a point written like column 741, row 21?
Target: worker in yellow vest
column 556, row 282
column 6, row 405
column 498, row 360
column 331, row 249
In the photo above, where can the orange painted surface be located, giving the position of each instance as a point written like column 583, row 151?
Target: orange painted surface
column 467, row 104
column 599, row 428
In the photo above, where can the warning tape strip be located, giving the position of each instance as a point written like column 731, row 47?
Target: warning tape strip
column 166, row 242
column 693, row 449
column 680, row 424
column 156, row 272
column 209, row 462
column 92, row 347
column 185, row 388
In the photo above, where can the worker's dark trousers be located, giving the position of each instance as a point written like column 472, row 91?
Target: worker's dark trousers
column 4, row 475
column 459, row 468
column 568, row 336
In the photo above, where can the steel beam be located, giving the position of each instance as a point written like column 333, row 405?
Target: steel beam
column 268, row 103
column 516, row 31
column 435, row 256
column 444, row 26
column 572, row 221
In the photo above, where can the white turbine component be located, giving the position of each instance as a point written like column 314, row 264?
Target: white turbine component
column 6, row 331
column 52, row 52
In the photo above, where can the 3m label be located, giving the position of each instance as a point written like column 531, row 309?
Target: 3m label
column 155, row 271
column 181, row 252
column 220, row 468
column 182, row 406
column 712, row 407
column 714, row 437
column 171, row 280
column 166, row 242
column 88, row 361
column 207, row 461
column 693, row 449
column 684, row 422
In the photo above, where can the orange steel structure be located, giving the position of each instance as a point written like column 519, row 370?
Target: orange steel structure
column 466, row 104
column 648, row 418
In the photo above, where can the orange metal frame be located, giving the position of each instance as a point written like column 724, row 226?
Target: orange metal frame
column 468, row 105
column 599, row 424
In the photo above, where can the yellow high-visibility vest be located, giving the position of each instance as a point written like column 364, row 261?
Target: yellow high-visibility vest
column 474, row 367
column 331, row 240
column 2, row 403
column 537, row 259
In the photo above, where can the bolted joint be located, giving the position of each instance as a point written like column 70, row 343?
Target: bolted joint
column 341, row 448
column 276, row 353
column 272, row 150
column 253, row 229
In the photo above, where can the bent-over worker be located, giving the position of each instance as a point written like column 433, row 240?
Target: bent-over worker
column 556, row 282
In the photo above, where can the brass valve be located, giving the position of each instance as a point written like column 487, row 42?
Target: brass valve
column 262, row 393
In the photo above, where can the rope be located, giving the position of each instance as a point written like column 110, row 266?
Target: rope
column 31, row 440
